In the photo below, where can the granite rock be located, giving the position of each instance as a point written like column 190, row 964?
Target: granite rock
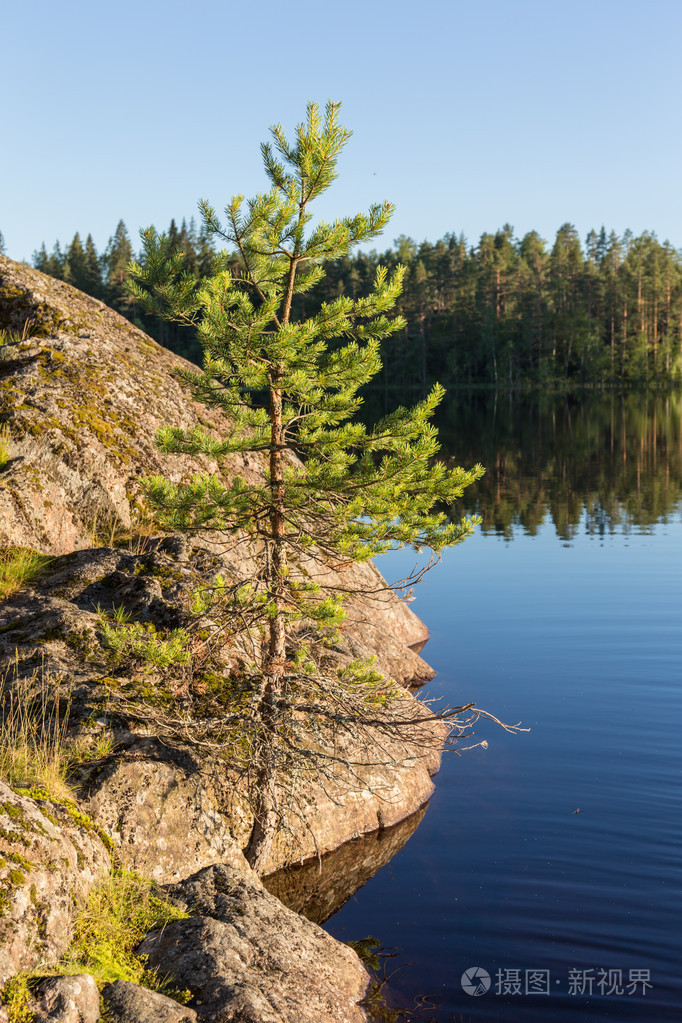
column 247, row 958
column 73, row 999
column 129, row 1003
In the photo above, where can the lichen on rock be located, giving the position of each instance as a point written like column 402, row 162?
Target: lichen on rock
column 50, row 861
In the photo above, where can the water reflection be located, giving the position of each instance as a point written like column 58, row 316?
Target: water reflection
column 318, row 888
column 614, row 458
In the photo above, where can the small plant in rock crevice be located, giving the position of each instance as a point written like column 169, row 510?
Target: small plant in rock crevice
column 5, row 441
column 142, row 640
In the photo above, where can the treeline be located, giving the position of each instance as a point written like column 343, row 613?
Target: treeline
column 510, row 312
column 506, row 313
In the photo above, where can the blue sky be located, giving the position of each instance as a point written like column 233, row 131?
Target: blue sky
column 467, row 115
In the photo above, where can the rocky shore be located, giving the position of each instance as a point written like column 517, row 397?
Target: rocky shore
column 82, row 393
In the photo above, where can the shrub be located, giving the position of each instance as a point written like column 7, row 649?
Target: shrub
column 143, row 642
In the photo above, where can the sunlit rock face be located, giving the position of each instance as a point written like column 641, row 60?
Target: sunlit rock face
column 248, row 959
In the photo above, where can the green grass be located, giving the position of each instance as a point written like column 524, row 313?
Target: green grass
column 9, row 337
column 117, row 916
column 15, row 337
column 5, row 441
column 19, row 567
column 15, row 997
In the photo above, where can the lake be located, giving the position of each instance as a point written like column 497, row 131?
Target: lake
column 562, row 612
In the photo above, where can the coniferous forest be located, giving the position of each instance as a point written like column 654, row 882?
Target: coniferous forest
column 505, row 313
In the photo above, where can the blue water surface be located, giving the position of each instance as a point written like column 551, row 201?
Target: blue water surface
column 580, row 639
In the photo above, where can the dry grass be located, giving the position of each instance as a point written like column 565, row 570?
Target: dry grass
column 35, row 752
column 15, row 337
column 107, row 530
column 33, row 718
column 19, row 567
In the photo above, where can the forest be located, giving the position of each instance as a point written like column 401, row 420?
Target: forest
column 506, row 313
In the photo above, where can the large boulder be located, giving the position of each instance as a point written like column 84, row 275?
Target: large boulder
column 248, row 959
column 72, row 999
column 163, row 811
column 51, row 856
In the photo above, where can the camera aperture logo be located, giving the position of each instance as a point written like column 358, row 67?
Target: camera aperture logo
column 475, row 981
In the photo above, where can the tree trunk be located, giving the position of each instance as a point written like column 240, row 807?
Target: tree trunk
column 265, row 802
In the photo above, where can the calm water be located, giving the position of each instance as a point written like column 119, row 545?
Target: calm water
column 562, row 612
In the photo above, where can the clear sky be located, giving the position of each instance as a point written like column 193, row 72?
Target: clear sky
column 466, row 113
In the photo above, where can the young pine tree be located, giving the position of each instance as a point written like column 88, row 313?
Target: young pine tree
column 334, row 492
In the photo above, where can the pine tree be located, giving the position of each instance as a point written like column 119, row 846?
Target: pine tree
column 118, row 255
column 2, row 244
column 335, row 492
column 92, row 275
column 77, row 263
column 57, row 263
column 41, row 260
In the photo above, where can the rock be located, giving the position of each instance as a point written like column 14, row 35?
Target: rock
column 50, row 858
column 162, row 813
column 169, row 815
column 247, row 958
column 83, row 399
column 129, row 1003
column 72, row 999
